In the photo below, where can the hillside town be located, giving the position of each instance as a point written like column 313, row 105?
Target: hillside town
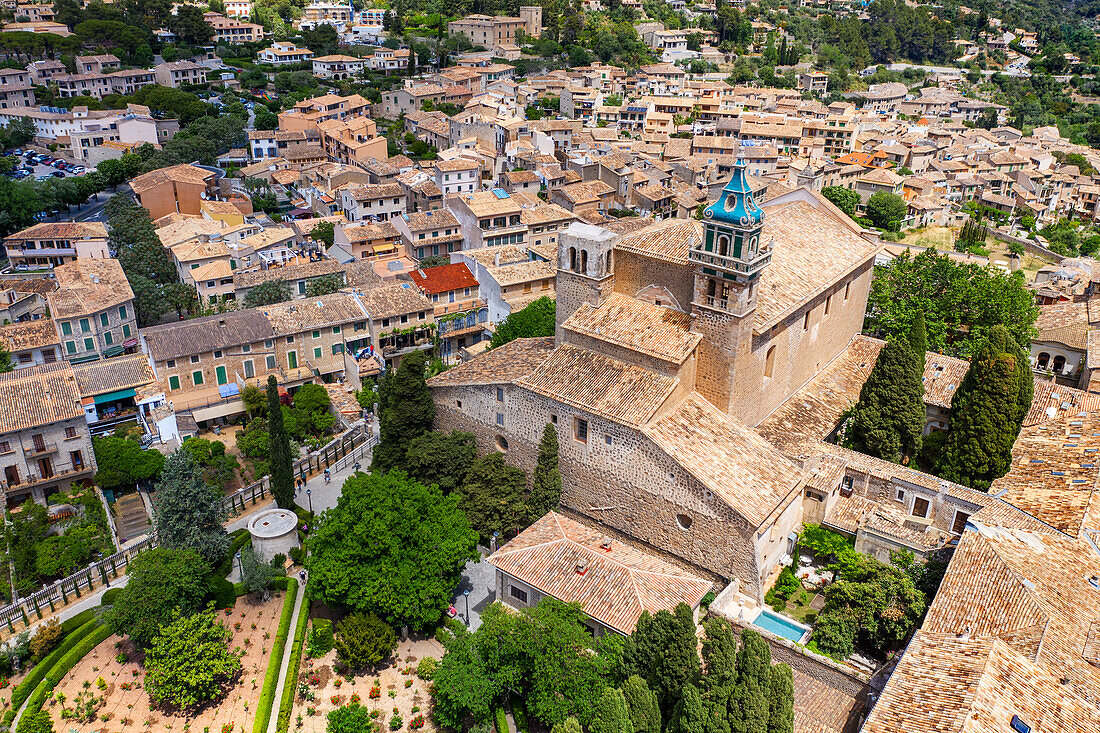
column 575, row 367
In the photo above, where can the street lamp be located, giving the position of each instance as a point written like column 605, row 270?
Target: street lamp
column 240, row 567
column 309, row 495
column 466, row 595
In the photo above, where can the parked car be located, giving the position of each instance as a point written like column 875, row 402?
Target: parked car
column 58, row 174
column 17, row 151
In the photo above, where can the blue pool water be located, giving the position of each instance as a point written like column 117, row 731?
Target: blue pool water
column 781, row 626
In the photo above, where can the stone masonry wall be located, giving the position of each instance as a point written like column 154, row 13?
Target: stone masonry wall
column 629, row 484
column 642, row 277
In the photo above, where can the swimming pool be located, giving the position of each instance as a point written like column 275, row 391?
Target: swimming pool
column 782, row 626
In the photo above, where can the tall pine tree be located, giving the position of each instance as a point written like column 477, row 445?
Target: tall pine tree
column 689, row 715
column 645, row 713
column 189, row 513
column 918, row 338
column 749, row 704
column 780, row 699
column 888, row 420
column 282, row 468
column 611, row 714
column 405, row 409
column 546, row 481
column 987, row 411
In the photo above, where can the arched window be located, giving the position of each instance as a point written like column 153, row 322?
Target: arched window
column 724, row 245
column 710, row 288
column 584, row 262
column 573, row 259
column 1059, row 363
column 607, row 271
column 1043, row 360
column 769, row 362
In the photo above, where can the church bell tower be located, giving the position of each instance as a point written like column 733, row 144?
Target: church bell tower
column 727, row 262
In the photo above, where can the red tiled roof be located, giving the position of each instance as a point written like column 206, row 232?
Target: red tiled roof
column 444, row 278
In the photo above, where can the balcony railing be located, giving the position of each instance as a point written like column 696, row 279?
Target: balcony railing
column 703, row 257
column 39, row 449
column 36, row 479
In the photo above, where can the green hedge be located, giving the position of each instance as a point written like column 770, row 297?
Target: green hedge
column 290, row 683
column 110, row 596
column 62, row 667
column 23, row 690
column 271, row 679
column 74, row 623
column 240, row 538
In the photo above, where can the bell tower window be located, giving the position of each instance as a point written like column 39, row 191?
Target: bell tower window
column 573, row 259
column 769, row 362
column 724, row 245
column 584, row 262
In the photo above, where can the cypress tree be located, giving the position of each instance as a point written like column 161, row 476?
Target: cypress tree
column 888, row 420
column 780, row 699
column 546, row 481
column 610, row 714
column 645, row 714
column 662, row 650
column 719, row 653
column 749, row 704
column 189, row 513
column 987, row 411
column 282, row 468
column 406, row 412
column 689, row 715
column 918, row 338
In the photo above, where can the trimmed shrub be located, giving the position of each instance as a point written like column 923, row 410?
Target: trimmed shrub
column 222, row 593
column 267, row 695
column 290, row 682
column 426, row 668
column 240, row 538
column 23, row 690
column 110, row 596
column 78, row 620
column 501, row 720
column 34, row 703
column 320, row 639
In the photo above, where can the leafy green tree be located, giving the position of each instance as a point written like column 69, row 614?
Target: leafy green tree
column 189, row 662
column 324, row 232
column 363, row 641
column 406, row 411
column 282, row 464
column 312, row 412
column 353, row 718
column 267, row 293
column 122, row 463
column 689, row 715
column 546, row 481
column 662, row 651
column 645, row 713
column 392, row 547
column 959, row 301
column 611, row 714
column 886, row 210
column 324, row 285
column 441, row 458
column 844, row 199
column 492, row 496
column 161, row 581
column 537, row 319
column 780, row 699
column 5, row 361
column 888, row 420
column 464, row 687
column 564, row 678
column 987, row 411
column 265, row 119
column 188, row 514
column 749, row 703
column 256, row 573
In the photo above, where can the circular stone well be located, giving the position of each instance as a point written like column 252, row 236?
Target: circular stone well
column 274, row 533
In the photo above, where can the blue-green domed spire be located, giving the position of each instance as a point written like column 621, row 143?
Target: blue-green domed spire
column 736, row 206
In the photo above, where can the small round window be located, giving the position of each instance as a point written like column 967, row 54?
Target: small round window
column 502, row 444
column 683, row 521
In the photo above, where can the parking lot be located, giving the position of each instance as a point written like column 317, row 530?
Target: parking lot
column 41, row 169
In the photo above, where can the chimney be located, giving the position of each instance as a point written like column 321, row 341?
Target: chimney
column 605, row 543
column 582, row 566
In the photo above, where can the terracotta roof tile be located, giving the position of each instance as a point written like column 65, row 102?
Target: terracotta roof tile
column 29, row 335
column 444, row 278
column 502, row 365
column 108, row 375
column 632, row 324
column 38, row 396
column 619, row 580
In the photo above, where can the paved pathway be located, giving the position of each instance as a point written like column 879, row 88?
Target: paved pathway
column 323, row 496
column 276, row 700
column 480, row 579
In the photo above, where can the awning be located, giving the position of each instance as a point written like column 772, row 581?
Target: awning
column 113, row 350
column 84, row 359
column 228, row 390
column 130, row 343
column 380, row 248
column 118, row 394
